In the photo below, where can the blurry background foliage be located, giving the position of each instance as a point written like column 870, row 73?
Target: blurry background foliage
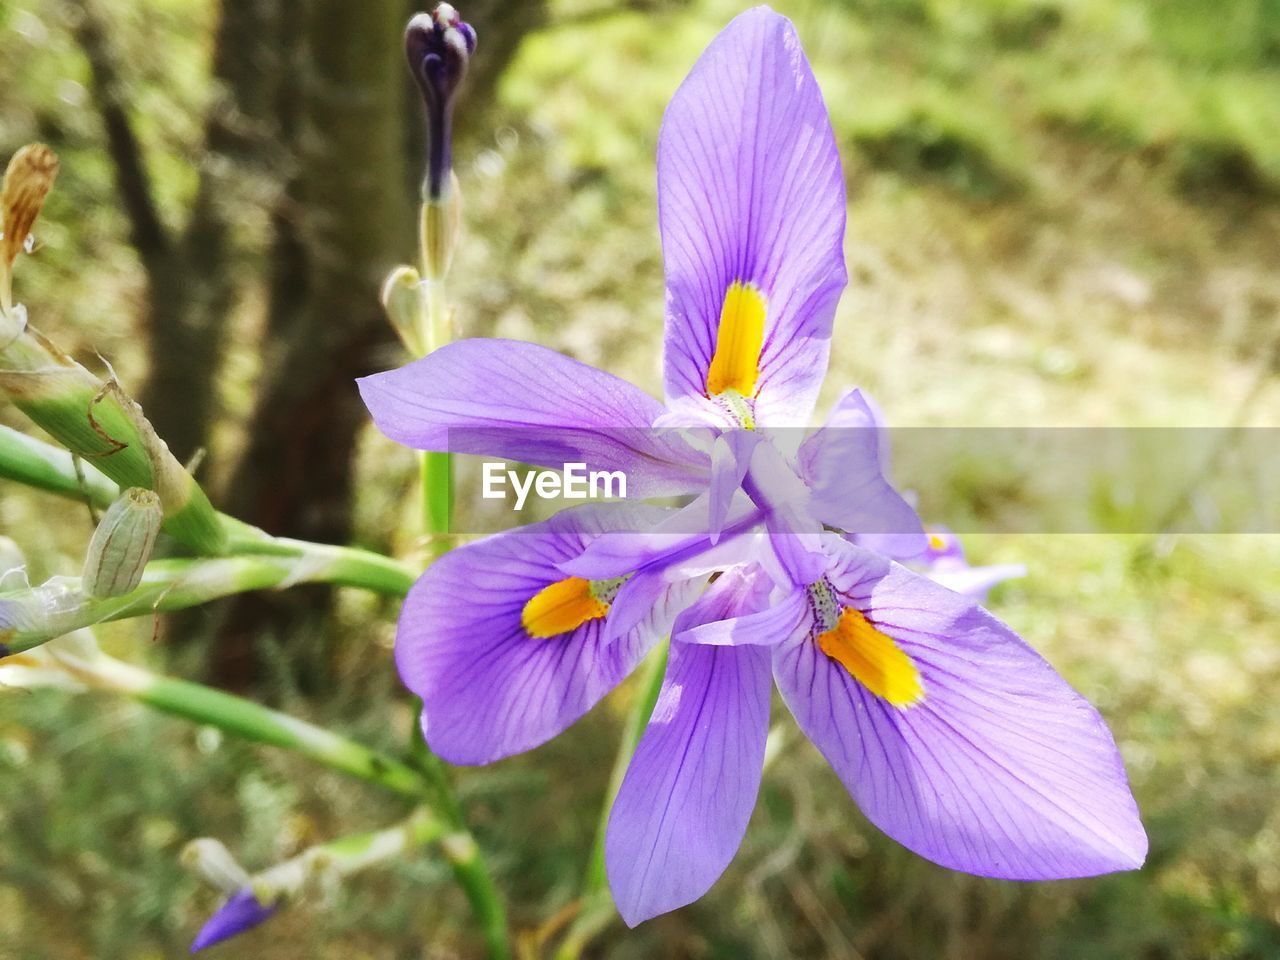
column 1062, row 212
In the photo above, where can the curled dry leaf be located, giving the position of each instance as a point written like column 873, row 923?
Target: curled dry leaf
column 27, row 183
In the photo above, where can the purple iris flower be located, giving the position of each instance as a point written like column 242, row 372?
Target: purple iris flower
column 953, row 736
column 944, row 562
column 241, row 912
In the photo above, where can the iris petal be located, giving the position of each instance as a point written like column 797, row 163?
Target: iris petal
column 750, row 192
column 688, row 794
column 1000, row 769
column 523, row 402
column 844, row 465
column 741, row 607
column 489, row 688
column 241, row 912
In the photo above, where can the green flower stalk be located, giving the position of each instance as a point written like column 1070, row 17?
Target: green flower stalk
column 35, row 615
column 438, row 48
column 45, row 467
column 76, row 663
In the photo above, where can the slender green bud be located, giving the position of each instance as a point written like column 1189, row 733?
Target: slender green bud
column 122, row 544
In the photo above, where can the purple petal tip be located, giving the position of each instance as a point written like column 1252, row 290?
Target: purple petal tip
column 240, row 913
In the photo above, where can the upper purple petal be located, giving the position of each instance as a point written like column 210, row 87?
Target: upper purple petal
column 730, row 457
column 750, row 189
column 1000, row 770
column 490, row 690
column 684, row 804
column 523, row 402
column 843, row 465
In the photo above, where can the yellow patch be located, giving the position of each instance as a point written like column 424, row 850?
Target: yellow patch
column 561, row 607
column 937, row 542
column 872, row 659
column 739, row 339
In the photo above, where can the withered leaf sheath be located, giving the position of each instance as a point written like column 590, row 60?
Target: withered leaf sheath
column 27, row 183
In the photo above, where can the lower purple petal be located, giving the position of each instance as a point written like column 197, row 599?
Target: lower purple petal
column 688, row 794
column 1000, row 770
column 489, row 689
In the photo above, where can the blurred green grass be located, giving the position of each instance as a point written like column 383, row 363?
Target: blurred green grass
column 1060, row 213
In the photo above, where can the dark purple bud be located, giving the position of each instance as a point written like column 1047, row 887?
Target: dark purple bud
column 242, row 912
column 439, row 47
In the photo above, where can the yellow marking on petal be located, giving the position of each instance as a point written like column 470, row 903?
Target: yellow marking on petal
column 561, row 607
column 937, row 542
column 873, row 659
column 739, row 339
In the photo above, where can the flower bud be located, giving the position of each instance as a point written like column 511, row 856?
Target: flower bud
column 122, row 544
column 438, row 47
column 242, row 911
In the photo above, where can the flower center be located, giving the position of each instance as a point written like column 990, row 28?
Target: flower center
column 567, row 604
column 739, row 339
column 740, row 409
column 871, row 657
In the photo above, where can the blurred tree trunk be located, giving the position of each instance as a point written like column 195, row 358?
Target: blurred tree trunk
column 190, row 280
column 343, row 224
column 192, row 299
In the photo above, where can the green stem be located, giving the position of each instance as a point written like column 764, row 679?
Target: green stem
column 360, row 851
column 436, row 467
column 46, row 467
column 343, row 566
column 460, row 848
column 35, row 615
column 436, row 482
column 246, row 719
column 437, row 500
